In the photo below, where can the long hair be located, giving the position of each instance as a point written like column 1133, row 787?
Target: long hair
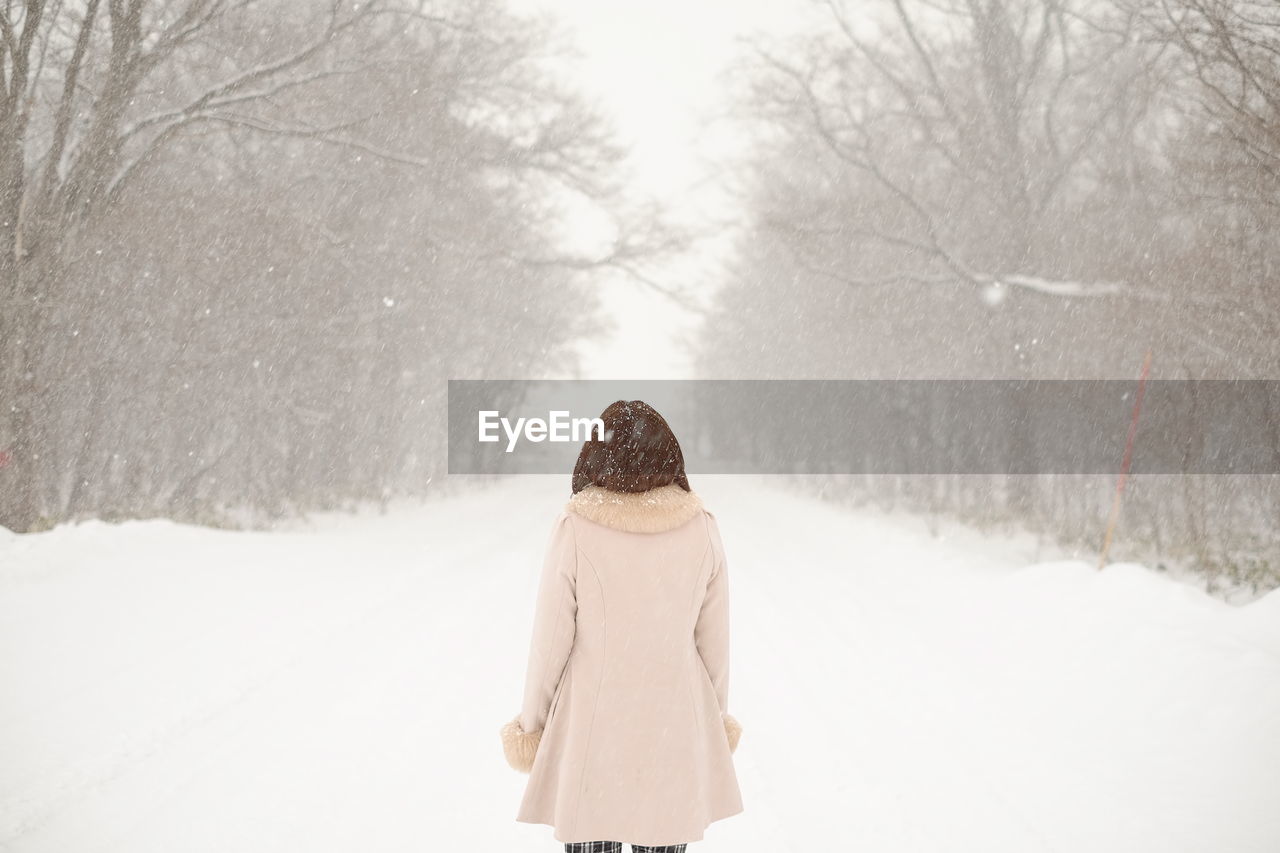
column 639, row 452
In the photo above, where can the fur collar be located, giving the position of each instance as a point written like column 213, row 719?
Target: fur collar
column 663, row 508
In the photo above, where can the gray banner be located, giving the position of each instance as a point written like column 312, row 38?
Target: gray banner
column 979, row 426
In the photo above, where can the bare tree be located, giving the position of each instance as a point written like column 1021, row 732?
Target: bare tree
column 1228, row 159
column 1015, row 188
column 1233, row 47
column 260, row 202
column 964, row 129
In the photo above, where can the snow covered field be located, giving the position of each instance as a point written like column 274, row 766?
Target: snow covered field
column 339, row 686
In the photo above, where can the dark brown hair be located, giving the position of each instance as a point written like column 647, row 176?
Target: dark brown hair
column 639, row 452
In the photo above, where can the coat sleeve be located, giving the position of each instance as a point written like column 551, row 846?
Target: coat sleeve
column 554, row 627
column 711, row 633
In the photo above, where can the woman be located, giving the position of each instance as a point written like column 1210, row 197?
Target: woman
column 625, row 729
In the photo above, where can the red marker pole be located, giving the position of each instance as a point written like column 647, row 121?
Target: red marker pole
column 1124, row 464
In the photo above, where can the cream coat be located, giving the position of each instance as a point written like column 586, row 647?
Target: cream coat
column 625, row 729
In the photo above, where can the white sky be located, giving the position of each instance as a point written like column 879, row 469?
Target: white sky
column 656, row 69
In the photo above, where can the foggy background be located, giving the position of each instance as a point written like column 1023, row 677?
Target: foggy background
column 243, row 245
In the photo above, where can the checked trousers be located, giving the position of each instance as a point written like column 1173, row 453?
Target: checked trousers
column 616, row 847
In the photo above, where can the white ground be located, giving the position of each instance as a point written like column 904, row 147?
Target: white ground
column 339, row 687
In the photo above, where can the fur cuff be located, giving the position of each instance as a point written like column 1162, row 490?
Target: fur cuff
column 732, row 730
column 519, row 746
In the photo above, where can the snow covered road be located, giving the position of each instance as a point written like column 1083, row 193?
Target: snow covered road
column 169, row 688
